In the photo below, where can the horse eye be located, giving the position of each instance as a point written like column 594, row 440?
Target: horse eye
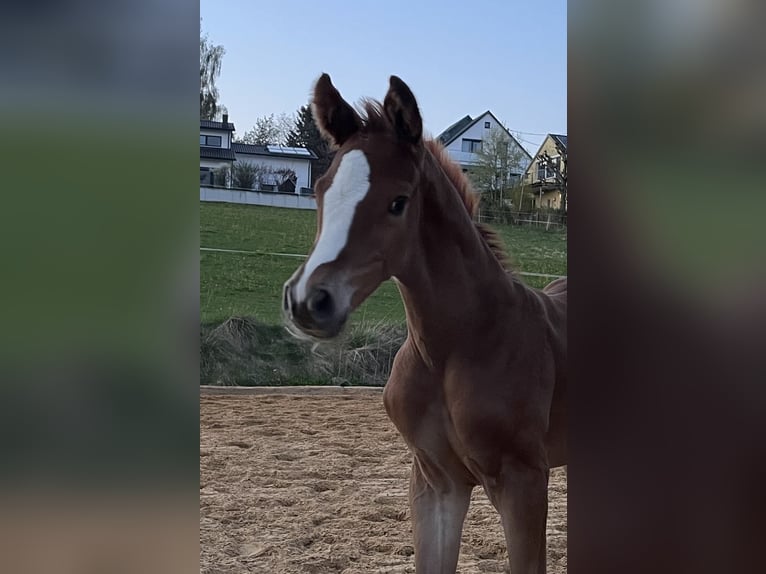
column 397, row 205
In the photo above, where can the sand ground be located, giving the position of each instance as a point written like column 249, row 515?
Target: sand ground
column 317, row 483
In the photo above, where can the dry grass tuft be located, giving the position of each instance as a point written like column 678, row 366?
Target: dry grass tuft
column 243, row 351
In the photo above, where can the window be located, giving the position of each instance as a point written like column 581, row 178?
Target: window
column 210, row 141
column 544, row 172
column 471, row 146
column 486, row 125
column 205, row 176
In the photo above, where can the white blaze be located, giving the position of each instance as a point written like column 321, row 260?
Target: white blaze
column 349, row 187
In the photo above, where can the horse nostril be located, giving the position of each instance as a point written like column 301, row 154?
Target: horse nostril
column 320, row 304
column 286, row 297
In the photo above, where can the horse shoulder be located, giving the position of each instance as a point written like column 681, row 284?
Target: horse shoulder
column 410, row 390
column 499, row 403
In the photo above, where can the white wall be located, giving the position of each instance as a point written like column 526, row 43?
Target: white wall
column 225, row 136
column 476, row 132
column 301, row 167
column 256, row 198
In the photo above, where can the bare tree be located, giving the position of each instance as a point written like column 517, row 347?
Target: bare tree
column 499, row 163
column 285, row 123
column 269, row 130
column 559, row 169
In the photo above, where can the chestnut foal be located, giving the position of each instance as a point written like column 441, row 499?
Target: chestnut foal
column 477, row 391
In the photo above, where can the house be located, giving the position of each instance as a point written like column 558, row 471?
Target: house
column 275, row 168
column 215, row 147
column 464, row 138
column 546, row 175
column 286, row 169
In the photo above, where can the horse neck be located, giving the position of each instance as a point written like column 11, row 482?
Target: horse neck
column 451, row 284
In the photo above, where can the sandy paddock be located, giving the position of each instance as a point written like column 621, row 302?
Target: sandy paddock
column 311, row 482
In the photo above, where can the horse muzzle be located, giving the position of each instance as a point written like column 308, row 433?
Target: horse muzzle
column 322, row 313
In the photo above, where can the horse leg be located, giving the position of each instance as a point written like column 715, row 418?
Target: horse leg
column 521, row 498
column 438, row 505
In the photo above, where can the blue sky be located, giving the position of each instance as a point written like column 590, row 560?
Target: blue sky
column 457, row 57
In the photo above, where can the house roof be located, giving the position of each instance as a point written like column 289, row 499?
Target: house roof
column 560, row 140
column 274, row 151
column 212, row 125
column 455, row 130
column 216, row 153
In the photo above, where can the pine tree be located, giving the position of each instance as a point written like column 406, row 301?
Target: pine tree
column 306, row 134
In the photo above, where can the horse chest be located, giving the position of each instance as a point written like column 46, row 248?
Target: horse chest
column 406, row 406
column 417, row 410
column 416, row 401
column 423, row 420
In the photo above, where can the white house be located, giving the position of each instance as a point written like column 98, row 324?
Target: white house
column 279, row 160
column 464, row 138
column 214, row 147
column 280, row 169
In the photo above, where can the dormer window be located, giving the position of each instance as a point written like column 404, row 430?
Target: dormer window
column 210, row 141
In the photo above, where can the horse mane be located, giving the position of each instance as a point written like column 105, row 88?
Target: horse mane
column 374, row 119
column 470, row 199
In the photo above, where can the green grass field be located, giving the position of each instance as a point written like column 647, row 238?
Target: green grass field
column 234, row 284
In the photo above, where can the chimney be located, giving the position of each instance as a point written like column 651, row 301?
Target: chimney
column 225, row 119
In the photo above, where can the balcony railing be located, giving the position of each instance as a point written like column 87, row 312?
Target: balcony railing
column 463, row 157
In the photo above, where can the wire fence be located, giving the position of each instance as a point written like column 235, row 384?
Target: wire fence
column 543, row 219
column 300, row 256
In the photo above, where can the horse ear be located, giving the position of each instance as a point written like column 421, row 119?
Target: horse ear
column 402, row 110
column 336, row 119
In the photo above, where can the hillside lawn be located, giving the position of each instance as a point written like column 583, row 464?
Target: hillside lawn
column 235, row 284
